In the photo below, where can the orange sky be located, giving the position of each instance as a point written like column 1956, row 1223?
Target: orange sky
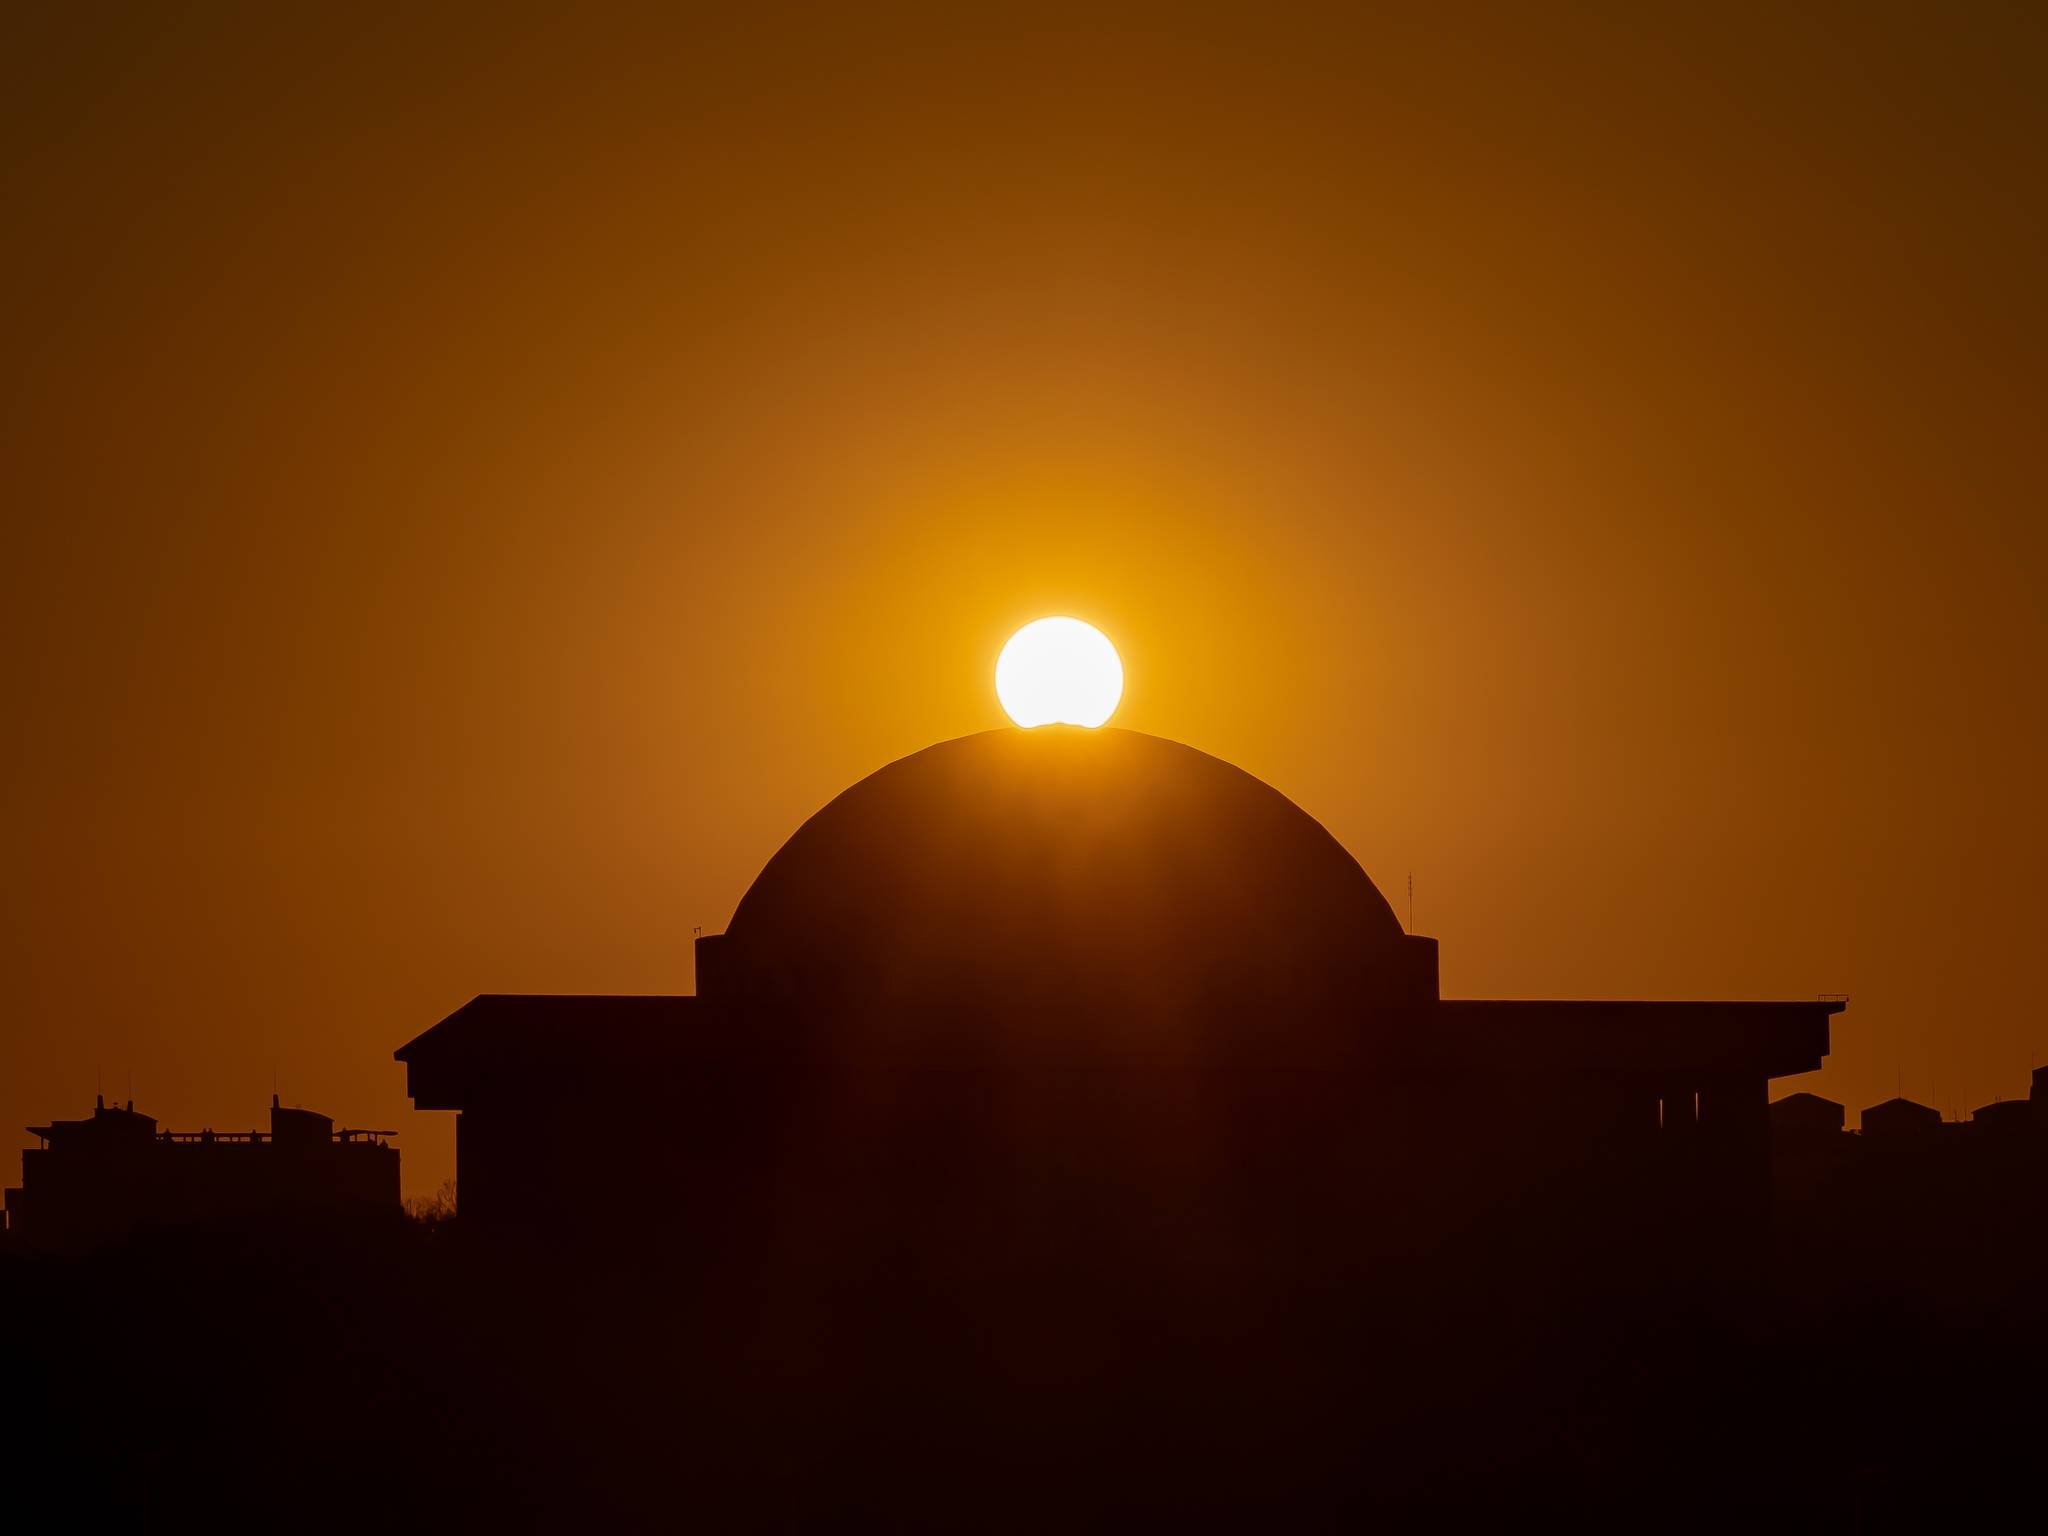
column 471, row 490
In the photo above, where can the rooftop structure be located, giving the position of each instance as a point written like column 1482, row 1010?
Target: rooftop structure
column 1899, row 1118
column 95, row 1180
column 2006, row 1117
column 1807, row 1114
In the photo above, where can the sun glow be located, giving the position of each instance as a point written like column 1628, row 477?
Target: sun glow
column 1059, row 672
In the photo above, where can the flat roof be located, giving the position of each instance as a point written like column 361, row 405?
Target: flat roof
column 1643, row 1037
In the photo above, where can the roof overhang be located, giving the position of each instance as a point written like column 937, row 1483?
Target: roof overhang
column 1644, row 1039
column 503, row 1037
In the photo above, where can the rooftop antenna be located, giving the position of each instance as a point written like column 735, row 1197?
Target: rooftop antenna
column 1411, row 901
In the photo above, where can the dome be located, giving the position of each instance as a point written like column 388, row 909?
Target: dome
column 1070, row 875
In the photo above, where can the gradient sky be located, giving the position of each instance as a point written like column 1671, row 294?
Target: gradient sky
column 473, row 486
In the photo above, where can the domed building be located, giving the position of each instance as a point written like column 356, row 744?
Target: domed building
column 1070, row 988
column 1095, row 895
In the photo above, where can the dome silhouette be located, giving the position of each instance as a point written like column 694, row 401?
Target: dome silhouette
column 1076, row 876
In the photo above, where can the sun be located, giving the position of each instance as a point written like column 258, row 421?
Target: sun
column 1059, row 672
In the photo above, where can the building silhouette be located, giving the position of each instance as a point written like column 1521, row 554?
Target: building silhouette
column 1092, row 1002
column 1806, row 1114
column 1901, row 1118
column 2004, row 1117
column 96, row 1180
column 1906, row 1164
column 1063, row 1123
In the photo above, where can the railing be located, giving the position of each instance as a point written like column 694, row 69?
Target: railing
column 213, row 1135
column 350, row 1136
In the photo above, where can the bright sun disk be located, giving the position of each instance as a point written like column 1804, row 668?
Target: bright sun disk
column 1059, row 672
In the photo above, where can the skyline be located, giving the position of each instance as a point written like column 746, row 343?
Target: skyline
column 463, row 528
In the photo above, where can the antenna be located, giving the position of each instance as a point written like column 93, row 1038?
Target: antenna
column 1411, row 901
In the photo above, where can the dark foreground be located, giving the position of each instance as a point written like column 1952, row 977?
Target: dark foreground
column 1891, row 1369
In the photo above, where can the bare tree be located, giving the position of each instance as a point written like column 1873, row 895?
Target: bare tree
column 432, row 1210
